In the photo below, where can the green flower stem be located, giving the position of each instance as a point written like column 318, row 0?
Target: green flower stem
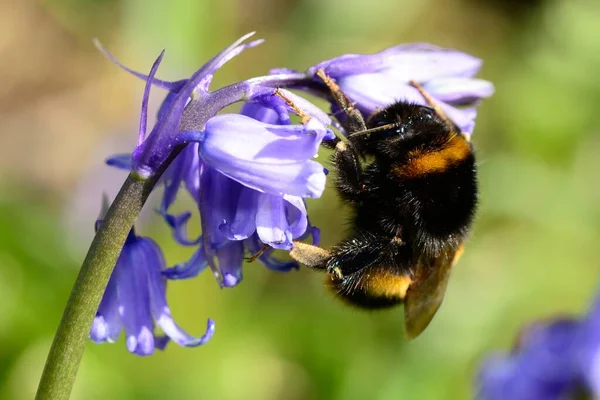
column 73, row 332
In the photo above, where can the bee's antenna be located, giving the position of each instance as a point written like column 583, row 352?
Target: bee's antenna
column 377, row 129
column 436, row 107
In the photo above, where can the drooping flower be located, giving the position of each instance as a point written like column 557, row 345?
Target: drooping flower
column 249, row 173
column 135, row 301
column 542, row 367
column 190, row 105
column 554, row 360
column 256, row 217
column 374, row 81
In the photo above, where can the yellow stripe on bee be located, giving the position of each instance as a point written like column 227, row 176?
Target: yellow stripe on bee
column 426, row 162
column 382, row 283
column 458, row 254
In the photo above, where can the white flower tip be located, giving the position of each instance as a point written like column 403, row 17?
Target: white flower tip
column 246, row 36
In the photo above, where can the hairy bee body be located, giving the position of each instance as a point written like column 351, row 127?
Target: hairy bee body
column 409, row 177
column 415, row 205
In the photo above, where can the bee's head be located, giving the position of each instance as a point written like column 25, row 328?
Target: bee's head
column 396, row 130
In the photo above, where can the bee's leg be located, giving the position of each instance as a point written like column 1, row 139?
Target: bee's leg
column 316, row 258
column 355, row 120
column 349, row 179
column 255, row 256
column 434, row 104
column 311, row 256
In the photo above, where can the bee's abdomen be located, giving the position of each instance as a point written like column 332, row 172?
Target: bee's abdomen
column 373, row 287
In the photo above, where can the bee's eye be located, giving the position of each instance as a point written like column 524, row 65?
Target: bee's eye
column 380, row 123
column 428, row 112
column 400, row 130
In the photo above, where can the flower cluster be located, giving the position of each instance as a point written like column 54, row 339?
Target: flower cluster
column 376, row 80
column 249, row 173
column 135, row 299
column 554, row 359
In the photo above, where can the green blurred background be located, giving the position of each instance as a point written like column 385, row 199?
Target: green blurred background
column 533, row 253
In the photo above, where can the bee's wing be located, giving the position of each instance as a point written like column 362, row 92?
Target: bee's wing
column 426, row 293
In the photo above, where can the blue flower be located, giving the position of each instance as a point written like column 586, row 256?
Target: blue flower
column 588, row 349
column 374, row 81
column 554, row 360
column 135, row 301
column 263, row 213
column 248, row 172
column 189, row 105
column 542, row 367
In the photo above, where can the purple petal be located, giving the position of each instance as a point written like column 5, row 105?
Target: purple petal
column 165, row 105
column 494, row 381
column 178, row 224
column 541, row 368
column 297, row 217
column 192, row 166
column 231, row 258
column 172, row 179
column 306, row 106
column 589, row 345
column 275, row 71
column 162, row 314
column 148, row 156
column 406, row 62
column 189, row 269
column 132, row 270
column 373, row 91
column 381, row 93
column 232, row 51
column 243, row 224
column 316, row 235
column 260, row 113
column 218, row 205
column 269, row 158
column 184, row 168
column 275, row 264
column 271, row 223
column 254, row 245
column 160, row 342
column 172, row 86
column 144, row 113
column 121, row 161
column 275, row 103
column 181, row 337
column 107, row 323
column 459, row 90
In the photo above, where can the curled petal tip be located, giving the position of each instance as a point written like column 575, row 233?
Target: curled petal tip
column 246, row 36
column 256, row 42
column 230, row 280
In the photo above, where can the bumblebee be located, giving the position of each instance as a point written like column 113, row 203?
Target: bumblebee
column 409, row 177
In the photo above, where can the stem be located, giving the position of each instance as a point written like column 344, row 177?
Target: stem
column 72, row 334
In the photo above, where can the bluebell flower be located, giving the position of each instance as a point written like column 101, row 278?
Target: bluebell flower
column 254, row 218
column 543, row 366
column 588, row 349
column 135, row 300
column 249, row 173
column 374, row 81
column 190, row 105
column 554, row 360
